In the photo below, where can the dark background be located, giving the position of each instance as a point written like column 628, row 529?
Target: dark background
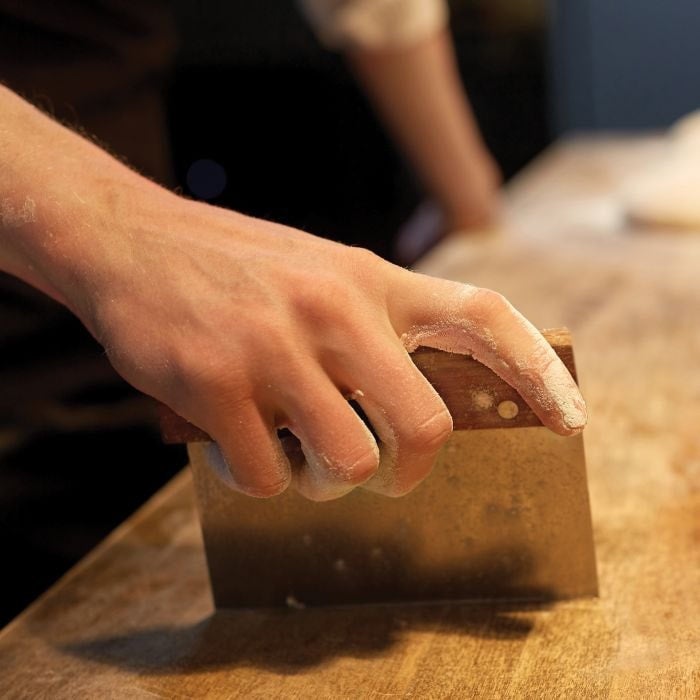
column 298, row 140
column 285, row 134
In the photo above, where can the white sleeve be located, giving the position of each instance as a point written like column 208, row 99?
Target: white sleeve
column 343, row 24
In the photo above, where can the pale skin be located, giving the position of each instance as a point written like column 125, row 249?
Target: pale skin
column 244, row 326
column 417, row 91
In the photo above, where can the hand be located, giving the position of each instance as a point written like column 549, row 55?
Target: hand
column 244, row 326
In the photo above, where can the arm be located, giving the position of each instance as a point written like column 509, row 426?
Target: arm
column 242, row 326
column 417, row 91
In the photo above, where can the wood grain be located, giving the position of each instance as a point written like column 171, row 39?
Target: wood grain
column 135, row 619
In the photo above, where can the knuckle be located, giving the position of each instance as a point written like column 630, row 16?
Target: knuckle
column 320, row 304
column 491, row 303
column 231, row 404
column 398, row 490
column 431, row 434
column 365, row 257
column 362, row 468
column 244, row 474
column 263, row 489
column 213, row 378
column 191, row 366
column 350, row 468
column 399, row 487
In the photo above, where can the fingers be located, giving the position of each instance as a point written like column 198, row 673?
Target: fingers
column 409, row 416
column 479, row 322
column 247, row 454
column 340, row 450
column 373, row 364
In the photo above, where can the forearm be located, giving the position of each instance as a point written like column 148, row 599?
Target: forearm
column 58, row 192
column 417, row 91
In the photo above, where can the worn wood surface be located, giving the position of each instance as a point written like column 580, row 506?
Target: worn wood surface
column 135, row 620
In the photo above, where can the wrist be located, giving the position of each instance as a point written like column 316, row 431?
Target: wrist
column 101, row 234
column 65, row 206
column 473, row 195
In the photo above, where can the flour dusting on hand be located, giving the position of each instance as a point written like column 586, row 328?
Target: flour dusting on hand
column 12, row 216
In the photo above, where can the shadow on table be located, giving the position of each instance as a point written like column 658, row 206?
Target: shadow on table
column 287, row 640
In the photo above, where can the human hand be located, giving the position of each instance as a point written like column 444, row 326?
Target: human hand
column 243, row 327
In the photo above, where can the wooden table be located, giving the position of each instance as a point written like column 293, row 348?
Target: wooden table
column 135, row 619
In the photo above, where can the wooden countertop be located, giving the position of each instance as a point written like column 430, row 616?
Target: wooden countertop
column 135, row 619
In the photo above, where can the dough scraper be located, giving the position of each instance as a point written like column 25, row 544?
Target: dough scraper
column 504, row 515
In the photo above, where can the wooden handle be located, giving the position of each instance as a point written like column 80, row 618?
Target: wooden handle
column 475, row 396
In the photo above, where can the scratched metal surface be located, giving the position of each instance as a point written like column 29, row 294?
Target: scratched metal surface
column 503, row 516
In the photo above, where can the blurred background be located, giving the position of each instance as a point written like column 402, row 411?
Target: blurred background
column 247, row 110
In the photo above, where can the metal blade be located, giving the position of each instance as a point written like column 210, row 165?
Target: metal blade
column 504, row 515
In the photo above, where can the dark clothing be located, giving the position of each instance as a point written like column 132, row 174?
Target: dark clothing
column 100, row 65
